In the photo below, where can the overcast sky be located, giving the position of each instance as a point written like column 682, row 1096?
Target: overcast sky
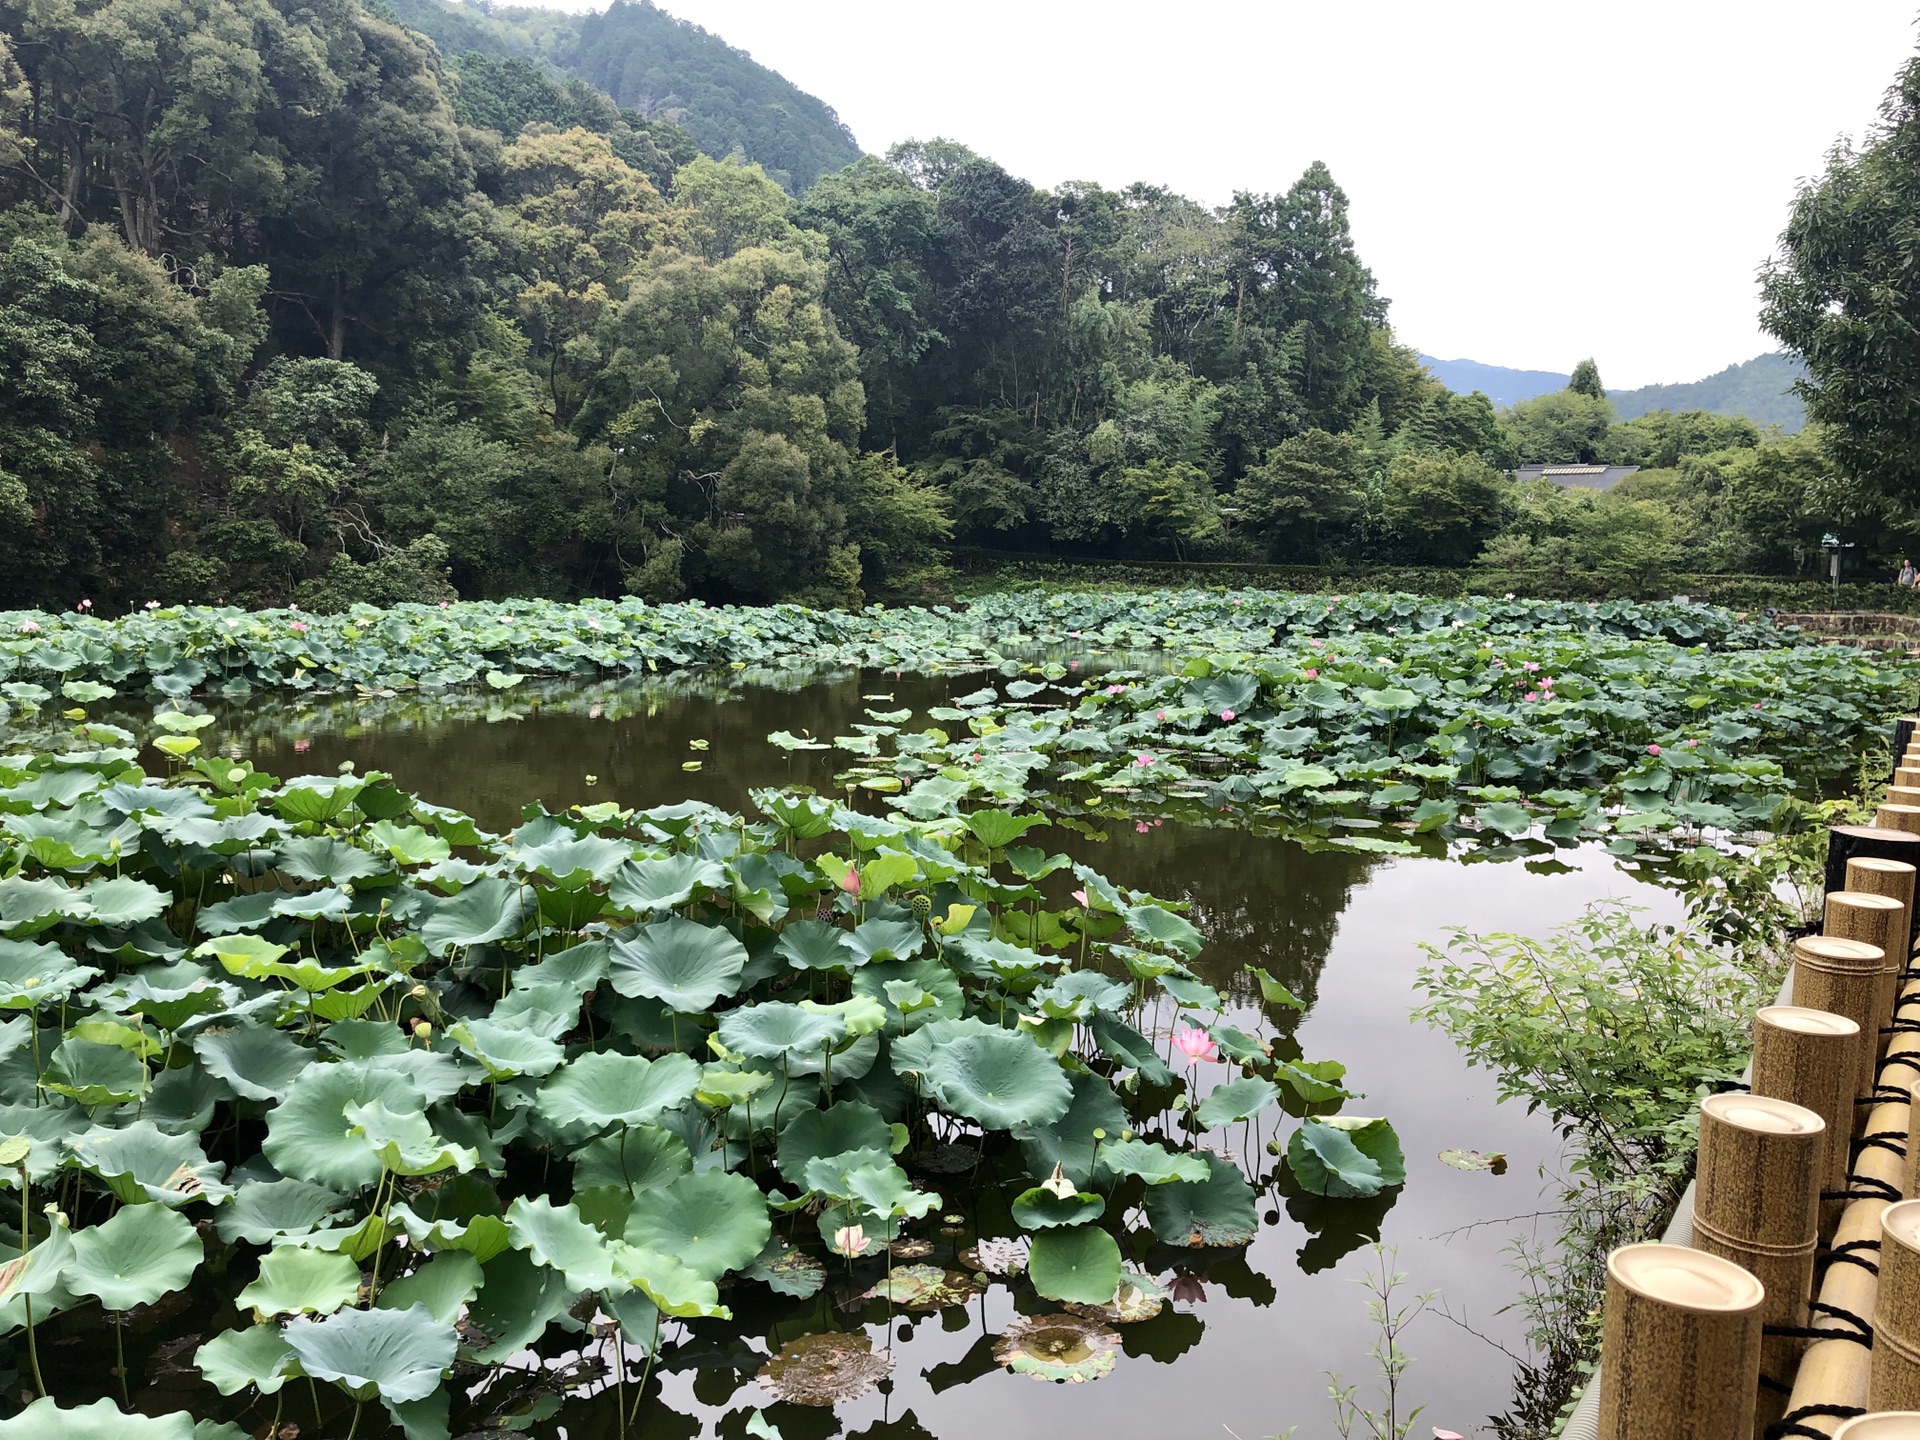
column 1532, row 182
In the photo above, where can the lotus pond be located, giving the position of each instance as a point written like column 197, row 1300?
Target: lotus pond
column 568, row 1056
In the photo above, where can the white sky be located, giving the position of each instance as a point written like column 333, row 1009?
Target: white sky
column 1531, row 181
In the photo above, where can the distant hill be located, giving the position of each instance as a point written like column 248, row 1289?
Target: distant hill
column 664, row 68
column 1500, row 385
column 1759, row 390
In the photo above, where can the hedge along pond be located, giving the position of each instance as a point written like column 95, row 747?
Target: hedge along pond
column 433, row 1118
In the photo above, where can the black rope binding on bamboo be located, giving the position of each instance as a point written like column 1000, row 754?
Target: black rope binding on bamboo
column 1851, row 1253
column 1791, row 1424
column 1876, row 1190
column 1767, row 1382
column 1893, row 1140
column 1912, row 1062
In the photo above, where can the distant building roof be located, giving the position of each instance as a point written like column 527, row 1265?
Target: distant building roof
column 1588, row 477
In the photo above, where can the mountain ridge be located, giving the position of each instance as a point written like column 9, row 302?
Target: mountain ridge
column 1759, row 389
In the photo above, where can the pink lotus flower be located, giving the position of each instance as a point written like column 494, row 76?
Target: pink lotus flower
column 1318, row 644
column 84, row 605
column 850, row 882
column 1311, row 674
column 1073, row 664
column 593, row 622
column 27, row 627
column 300, row 747
column 1226, row 714
column 299, row 627
column 1239, row 602
column 1073, row 634
column 293, row 607
column 1196, row 1045
column 1439, row 1434
column 1142, row 760
column 849, row 1240
column 1141, row 827
column 1692, row 743
column 1531, row 666
column 1080, row 899
column 1159, row 714
column 1116, row 689
column 151, row 605
column 1533, row 694
column 1547, row 684
column 443, row 604
column 1653, row 749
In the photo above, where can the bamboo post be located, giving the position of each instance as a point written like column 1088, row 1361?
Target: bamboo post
column 1872, row 875
column 1680, row 1346
column 1910, row 1187
column 1898, row 794
column 1876, row 920
column 1898, row 817
column 1756, row 1202
column 1834, row 1373
column 1889, row 1425
column 1802, row 1056
column 1906, row 772
column 1895, row 1379
column 1843, row 978
column 1851, row 842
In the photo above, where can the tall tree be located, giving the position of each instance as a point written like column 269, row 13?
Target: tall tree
column 1586, row 381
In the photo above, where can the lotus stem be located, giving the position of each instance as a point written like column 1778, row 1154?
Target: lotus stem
column 120, row 1356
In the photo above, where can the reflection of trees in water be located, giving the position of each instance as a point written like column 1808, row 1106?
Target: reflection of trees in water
column 1259, row 900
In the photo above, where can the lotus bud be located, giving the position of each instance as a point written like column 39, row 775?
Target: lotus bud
column 422, row 1031
column 346, row 767
column 418, row 992
column 1058, row 1184
column 592, row 780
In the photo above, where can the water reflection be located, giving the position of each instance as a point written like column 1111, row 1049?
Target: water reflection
column 1340, row 929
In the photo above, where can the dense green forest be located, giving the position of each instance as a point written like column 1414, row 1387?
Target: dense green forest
column 1761, row 389
column 299, row 309
column 662, row 68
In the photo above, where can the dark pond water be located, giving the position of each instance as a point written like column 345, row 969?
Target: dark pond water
column 1341, row 929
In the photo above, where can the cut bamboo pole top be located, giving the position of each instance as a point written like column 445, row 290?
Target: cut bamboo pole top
column 1685, row 1279
column 1891, row 1425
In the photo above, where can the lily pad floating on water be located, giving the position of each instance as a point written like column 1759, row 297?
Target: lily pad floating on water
column 788, row 1271
column 1494, row 1164
column 827, row 1369
column 1140, row 1297
column 923, row 1287
column 998, row 1256
column 1069, row 1349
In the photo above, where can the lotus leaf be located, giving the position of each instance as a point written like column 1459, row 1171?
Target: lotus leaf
column 829, row 1369
column 1139, row 1298
column 507, row 1050
column 1163, row 927
column 395, row 1354
column 1152, row 1163
column 481, row 1236
column 517, row 1299
column 102, row 1420
column 1000, row 1256
column 404, row 1140
column 32, row 974
column 680, row 963
column 558, row 1238
column 996, row 829
column 711, row 1221
column 998, row 1078
column 259, row 1063
column 641, row 1158
column 1215, row 1212
column 1236, row 1100
column 836, row 1130
column 1069, row 1141
column 774, row 1030
column 1042, row 1209
column 140, row 1163
column 1130, row 1048
column 94, row 1074
column 815, row 945
column 645, row 886
column 1346, row 1157
column 327, row 860
column 923, row 1287
column 882, row 940
column 296, row 1281
column 607, row 1089
column 266, row 1209
column 488, row 909
column 316, row 799
column 1079, row 1263
column 134, row 1256
column 788, row 1271
column 257, row 1356
column 309, row 1136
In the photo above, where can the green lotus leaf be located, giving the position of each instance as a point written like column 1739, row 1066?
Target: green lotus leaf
column 1272, row 992
column 404, row 1141
column 774, row 1030
column 882, row 940
column 998, row 1078
column 574, row 860
column 1069, row 1141
column 309, row 1136
column 682, row 964
column 996, row 829
column 722, row 1086
column 41, row 1269
column 1236, row 1100
column 507, row 1051
column 517, row 1299
column 262, row 1212
column 409, row 844
column 1079, row 1264
column 642, row 1158
column 32, row 974
column 444, row 1285
column 102, row 1420
column 915, row 992
column 848, row 1125
column 259, row 1063
column 359, row 1241
column 1217, row 1211
column 711, row 1221
column 1505, row 817
column 250, row 956
column 557, row 1237
column 316, row 799
column 1191, row 993
column 121, row 900
column 605, row 1089
column 1314, row 1082
column 883, row 1190
column 1152, row 1163
column 788, row 1271
column 1042, row 1209
column 140, row 1163
column 255, row 1356
column 1130, row 1048
column 1346, row 1157
column 645, row 886
column 170, row 995
column 1080, row 996
column 327, row 860
column 481, row 1236
column 134, row 1257
column 997, row 958
column 395, row 1354
column 677, row 1289
column 488, row 909
column 815, row 945
column 858, row 1016
column 29, row 906
column 297, row 1281
column 1163, row 927
column 94, row 1074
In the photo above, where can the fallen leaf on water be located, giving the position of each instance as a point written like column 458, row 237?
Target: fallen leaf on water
column 1495, row 1163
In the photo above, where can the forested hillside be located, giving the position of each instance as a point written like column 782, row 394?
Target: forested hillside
column 1760, row 390
column 661, row 67
column 326, row 317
